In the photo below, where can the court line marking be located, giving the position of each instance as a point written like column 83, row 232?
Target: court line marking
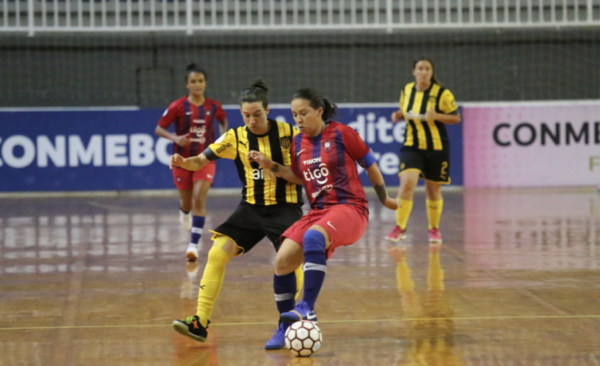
column 468, row 318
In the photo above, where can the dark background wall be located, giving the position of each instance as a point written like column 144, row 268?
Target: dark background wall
column 147, row 69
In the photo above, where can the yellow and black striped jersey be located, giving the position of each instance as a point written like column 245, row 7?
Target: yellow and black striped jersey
column 430, row 134
column 261, row 187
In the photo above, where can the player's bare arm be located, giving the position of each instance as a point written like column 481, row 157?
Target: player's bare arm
column 192, row 163
column 223, row 126
column 279, row 170
column 449, row 119
column 379, row 185
column 181, row 140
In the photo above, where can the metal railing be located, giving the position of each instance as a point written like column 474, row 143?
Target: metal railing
column 230, row 15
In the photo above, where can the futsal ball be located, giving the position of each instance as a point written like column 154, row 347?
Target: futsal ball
column 303, row 338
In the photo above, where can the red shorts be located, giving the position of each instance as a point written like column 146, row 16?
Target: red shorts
column 344, row 224
column 185, row 179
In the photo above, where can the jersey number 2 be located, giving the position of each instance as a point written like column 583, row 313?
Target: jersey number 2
column 444, row 171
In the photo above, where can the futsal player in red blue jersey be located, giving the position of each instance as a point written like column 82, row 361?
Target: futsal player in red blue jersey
column 194, row 117
column 324, row 160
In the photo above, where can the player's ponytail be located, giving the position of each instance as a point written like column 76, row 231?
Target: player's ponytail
column 434, row 79
column 257, row 92
column 194, row 68
column 317, row 101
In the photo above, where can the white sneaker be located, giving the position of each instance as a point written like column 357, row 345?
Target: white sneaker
column 192, row 252
column 185, row 220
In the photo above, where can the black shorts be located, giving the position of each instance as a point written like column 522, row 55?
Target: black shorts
column 249, row 224
column 434, row 165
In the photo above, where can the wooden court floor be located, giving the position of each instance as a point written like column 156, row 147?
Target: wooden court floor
column 98, row 281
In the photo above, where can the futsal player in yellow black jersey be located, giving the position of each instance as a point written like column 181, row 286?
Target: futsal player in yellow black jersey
column 270, row 205
column 427, row 108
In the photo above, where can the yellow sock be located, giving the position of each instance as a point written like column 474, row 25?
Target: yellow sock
column 212, row 280
column 403, row 212
column 299, row 281
column 434, row 212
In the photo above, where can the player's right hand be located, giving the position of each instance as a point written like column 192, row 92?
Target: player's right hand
column 182, row 140
column 176, row 161
column 396, row 116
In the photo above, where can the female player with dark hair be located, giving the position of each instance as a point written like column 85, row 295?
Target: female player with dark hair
column 194, row 117
column 427, row 107
column 325, row 156
column 270, row 205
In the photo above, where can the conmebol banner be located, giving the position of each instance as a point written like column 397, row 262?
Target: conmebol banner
column 539, row 144
column 116, row 149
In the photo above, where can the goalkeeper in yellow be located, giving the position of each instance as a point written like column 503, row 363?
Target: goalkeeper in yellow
column 269, row 206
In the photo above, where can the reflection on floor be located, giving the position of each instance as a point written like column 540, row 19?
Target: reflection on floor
column 97, row 281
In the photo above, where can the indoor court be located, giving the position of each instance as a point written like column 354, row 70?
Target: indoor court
column 98, row 281
column 131, row 128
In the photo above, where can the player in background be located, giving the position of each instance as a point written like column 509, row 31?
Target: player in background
column 427, row 108
column 325, row 155
column 194, row 117
column 270, row 205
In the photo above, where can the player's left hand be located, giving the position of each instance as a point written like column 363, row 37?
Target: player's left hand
column 391, row 203
column 431, row 115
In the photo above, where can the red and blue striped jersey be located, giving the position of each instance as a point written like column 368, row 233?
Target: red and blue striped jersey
column 327, row 164
column 195, row 121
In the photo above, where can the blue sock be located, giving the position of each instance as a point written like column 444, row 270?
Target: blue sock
column 197, row 226
column 285, row 290
column 315, row 265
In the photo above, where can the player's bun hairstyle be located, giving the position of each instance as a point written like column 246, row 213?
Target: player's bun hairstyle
column 257, row 92
column 194, row 68
column 317, row 100
column 434, row 79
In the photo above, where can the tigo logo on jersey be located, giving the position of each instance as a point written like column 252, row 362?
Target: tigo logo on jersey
column 320, row 174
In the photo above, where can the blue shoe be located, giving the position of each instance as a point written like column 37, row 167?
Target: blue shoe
column 301, row 312
column 278, row 340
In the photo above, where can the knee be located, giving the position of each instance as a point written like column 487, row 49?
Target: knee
column 224, row 245
column 314, row 241
column 434, row 192
column 198, row 204
column 408, row 186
